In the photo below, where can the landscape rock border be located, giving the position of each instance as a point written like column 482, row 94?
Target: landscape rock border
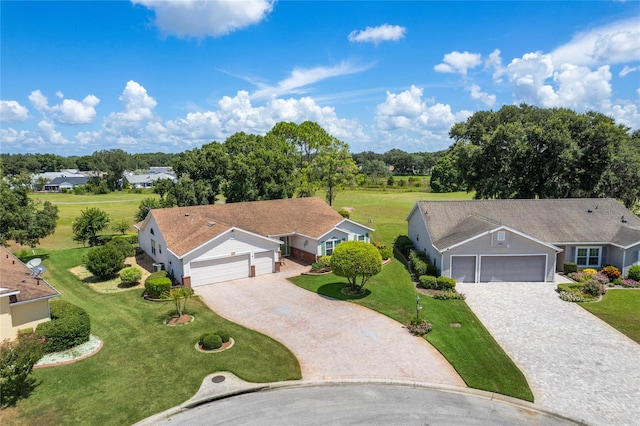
column 224, row 347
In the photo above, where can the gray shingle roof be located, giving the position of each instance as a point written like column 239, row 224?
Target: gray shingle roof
column 74, row 180
column 554, row 221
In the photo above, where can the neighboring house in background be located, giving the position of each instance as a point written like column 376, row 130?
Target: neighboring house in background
column 524, row 240
column 65, row 183
column 162, row 169
column 206, row 244
column 24, row 299
column 147, row 180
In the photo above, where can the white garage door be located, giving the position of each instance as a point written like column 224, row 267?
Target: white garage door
column 463, row 269
column 217, row 270
column 512, row 268
column 263, row 262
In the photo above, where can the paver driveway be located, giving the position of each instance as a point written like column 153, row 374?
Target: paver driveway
column 332, row 339
column 574, row 362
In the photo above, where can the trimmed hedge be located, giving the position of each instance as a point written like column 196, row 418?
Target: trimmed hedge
column 419, row 262
column 344, row 213
column 224, row 335
column 446, row 283
column 404, row 244
column 427, row 281
column 158, row 285
column 210, row 341
column 104, row 261
column 130, row 238
column 123, row 246
column 130, row 275
column 70, row 326
column 634, row 273
column 569, row 268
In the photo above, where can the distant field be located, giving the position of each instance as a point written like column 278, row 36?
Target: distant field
column 119, row 205
column 386, row 209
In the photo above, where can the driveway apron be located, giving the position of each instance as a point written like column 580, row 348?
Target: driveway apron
column 574, row 362
column 332, row 339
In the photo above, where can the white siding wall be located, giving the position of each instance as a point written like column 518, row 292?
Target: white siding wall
column 144, row 240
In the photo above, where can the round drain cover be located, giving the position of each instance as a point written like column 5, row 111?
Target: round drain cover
column 217, row 379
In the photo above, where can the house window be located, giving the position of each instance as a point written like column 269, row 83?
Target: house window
column 361, row 238
column 329, row 246
column 588, row 256
column 151, row 232
column 153, row 247
column 160, row 248
column 502, row 235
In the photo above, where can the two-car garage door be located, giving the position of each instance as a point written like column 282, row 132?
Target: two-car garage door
column 529, row 268
column 218, row 270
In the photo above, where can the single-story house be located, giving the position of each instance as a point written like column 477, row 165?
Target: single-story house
column 206, row 244
column 24, row 298
column 147, row 180
column 524, row 240
column 65, row 183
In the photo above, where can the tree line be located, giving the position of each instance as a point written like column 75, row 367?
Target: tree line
column 529, row 152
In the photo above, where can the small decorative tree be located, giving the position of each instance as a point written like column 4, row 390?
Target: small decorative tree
column 17, row 358
column 180, row 296
column 357, row 261
column 121, row 226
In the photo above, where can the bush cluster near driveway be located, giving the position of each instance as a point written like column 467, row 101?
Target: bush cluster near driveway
column 471, row 350
column 144, row 366
column 620, row 309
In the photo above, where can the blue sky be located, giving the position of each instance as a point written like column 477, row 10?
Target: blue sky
column 149, row 75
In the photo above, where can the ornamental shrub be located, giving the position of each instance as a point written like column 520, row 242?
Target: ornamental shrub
column 427, row 281
column 419, row 262
column 70, row 326
column 123, row 246
column 104, row 261
column 158, row 285
column 325, row 261
column 449, row 295
column 629, row 283
column 224, row 335
column 590, row 271
column 433, row 270
column 593, row 288
column 130, row 276
column 344, row 213
column 446, row 283
column 403, row 244
column 419, row 327
column 570, row 267
column 571, row 296
column 611, row 272
column 634, row 273
column 210, row 341
column 386, row 252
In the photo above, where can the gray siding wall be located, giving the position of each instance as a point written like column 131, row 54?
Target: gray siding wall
column 417, row 232
column 631, row 258
column 517, row 246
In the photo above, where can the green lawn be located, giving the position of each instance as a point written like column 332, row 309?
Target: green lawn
column 144, row 366
column 620, row 309
column 471, row 350
column 119, row 205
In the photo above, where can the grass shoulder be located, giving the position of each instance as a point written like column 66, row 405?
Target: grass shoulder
column 144, row 366
column 470, row 349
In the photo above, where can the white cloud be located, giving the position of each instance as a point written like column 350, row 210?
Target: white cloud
column 202, row 18
column 579, row 88
column 628, row 70
column 137, row 104
column 407, row 111
column 614, row 43
column 12, row 112
column 74, row 112
column 494, row 62
column 302, row 77
column 625, row 112
column 459, row 62
column 478, row 94
column 376, row 35
column 69, row 111
column 528, row 74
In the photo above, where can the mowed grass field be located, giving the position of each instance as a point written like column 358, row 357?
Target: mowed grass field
column 119, row 206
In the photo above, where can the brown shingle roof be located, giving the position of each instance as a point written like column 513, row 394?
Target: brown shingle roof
column 185, row 228
column 15, row 276
column 554, row 221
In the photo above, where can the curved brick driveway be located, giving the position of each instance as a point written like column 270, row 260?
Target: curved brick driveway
column 574, row 362
column 332, row 339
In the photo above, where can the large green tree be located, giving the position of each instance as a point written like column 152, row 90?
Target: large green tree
column 529, row 152
column 86, row 227
column 334, row 168
column 23, row 219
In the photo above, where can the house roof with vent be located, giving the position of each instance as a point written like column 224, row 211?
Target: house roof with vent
column 16, row 280
column 554, row 221
column 185, row 228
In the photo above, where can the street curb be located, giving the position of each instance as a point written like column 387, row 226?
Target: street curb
column 241, row 388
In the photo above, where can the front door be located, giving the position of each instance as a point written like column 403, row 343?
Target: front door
column 285, row 248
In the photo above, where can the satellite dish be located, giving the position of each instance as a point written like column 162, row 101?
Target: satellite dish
column 33, row 263
column 38, row 270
